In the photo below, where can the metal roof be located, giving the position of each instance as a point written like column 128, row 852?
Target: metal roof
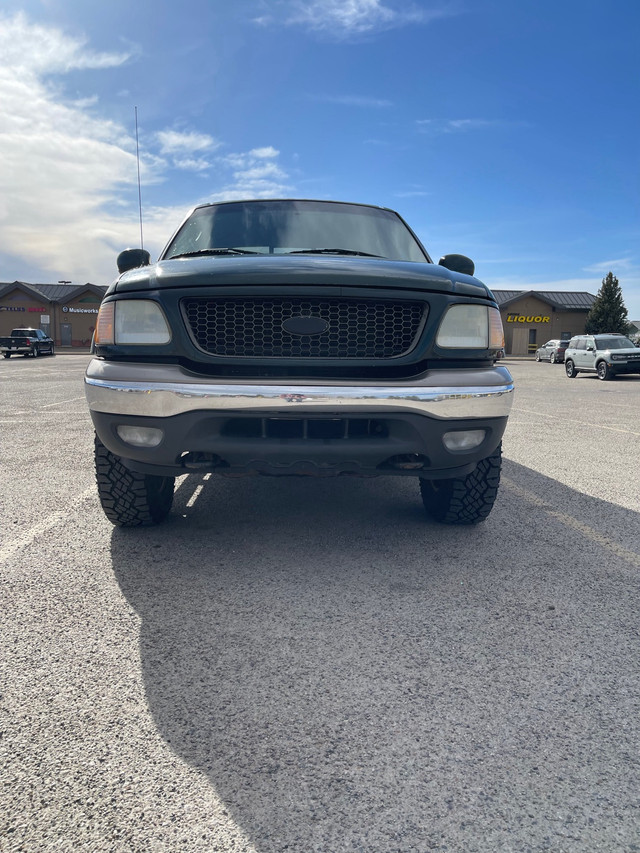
column 566, row 300
column 53, row 292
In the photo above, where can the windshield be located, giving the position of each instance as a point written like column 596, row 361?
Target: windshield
column 614, row 343
column 283, row 227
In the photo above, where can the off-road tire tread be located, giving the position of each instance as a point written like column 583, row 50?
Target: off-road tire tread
column 128, row 498
column 466, row 500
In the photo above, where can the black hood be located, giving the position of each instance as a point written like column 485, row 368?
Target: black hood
column 298, row 270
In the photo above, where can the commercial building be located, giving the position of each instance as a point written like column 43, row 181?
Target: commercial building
column 533, row 317
column 66, row 312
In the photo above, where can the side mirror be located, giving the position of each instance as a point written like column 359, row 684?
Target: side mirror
column 458, row 263
column 591, row 349
column 132, row 258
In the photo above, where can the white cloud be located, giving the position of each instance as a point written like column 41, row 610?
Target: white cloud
column 33, row 50
column 342, row 19
column 268, row 152
column 192, row 164
column 605, row 266
column 68, row 199
column 434, row 126
column 459, row 125
column 60, row 165
column 255, row 175
column 174, row 141
column 180, row 145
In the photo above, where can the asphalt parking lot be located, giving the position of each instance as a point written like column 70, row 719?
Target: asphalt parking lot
column 296, row 665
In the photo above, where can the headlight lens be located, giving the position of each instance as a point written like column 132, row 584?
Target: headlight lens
column 132, row 321
column 471, row 327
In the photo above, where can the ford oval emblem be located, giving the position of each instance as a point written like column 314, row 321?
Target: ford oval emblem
column 305, row 325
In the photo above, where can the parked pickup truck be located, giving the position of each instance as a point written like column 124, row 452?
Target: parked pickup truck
column 297, row 337
column 32, row 342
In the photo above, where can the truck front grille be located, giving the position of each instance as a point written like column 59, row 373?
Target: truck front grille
column 253, row 327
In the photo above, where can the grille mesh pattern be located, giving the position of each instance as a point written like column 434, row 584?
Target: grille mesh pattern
column 253, row 327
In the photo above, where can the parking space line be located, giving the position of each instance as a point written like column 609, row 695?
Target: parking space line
column 195, row 495
column 572, row 421
column 7, row 551
column 31, row 412
column 61, row 402
column 569, row 521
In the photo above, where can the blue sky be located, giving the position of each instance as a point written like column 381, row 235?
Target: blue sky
column 507, row 131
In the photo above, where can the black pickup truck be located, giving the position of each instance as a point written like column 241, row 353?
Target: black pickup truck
column 297, row 337
column 31, row 342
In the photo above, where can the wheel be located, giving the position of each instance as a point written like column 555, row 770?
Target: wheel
column 466, row 500
column 53, row 350
column 7, row 354
column 552, row 358
column 537, row 356
column 35, row 352
column 570, row 369
column 604, row 371
column 128, row 498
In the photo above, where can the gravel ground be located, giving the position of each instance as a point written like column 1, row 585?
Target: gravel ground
column 295, row 665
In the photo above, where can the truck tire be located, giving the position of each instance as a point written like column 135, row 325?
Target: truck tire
column 130, row 499
column 7, row 354
column 467, row 500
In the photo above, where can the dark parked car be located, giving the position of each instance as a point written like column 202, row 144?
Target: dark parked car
column 31, row 342
column 552, row 351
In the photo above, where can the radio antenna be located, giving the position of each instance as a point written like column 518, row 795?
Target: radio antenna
column 139, row 189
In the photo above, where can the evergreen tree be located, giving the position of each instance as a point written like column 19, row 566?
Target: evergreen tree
column 608, row 313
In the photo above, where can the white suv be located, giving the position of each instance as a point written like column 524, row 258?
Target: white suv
column 606, row 355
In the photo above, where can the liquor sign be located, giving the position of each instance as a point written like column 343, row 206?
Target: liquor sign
column 524, row 318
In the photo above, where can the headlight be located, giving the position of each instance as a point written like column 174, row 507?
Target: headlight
column 132, row 321
column 471, row 327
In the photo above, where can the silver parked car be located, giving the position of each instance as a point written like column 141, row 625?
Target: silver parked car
column 605, row 355
column 552, row 351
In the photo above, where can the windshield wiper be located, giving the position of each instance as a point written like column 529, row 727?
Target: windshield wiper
column 214, row 252
column 333, row 252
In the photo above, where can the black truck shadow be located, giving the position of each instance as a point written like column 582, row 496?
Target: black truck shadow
column 350, row 676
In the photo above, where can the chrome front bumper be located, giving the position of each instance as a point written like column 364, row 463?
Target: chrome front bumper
column 124, row 388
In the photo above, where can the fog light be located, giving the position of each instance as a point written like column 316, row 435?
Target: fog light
column 465, row 439
column 140, row 436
